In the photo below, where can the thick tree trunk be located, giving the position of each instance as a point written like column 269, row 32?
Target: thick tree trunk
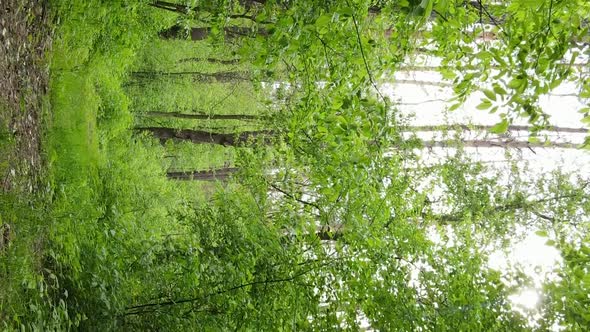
column 485, row 16
column 171, row 6
column 211, row 60
column 485, row 127
column 505, row 143
column 203, row 137
column 196, row 34
column 182, row 9
column 222, row 77
column 221, row 174
column 201, row 116
column 446, row 84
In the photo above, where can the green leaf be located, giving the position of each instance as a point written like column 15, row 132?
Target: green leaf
column 515, row 83
column 490, row 94
column 424, row 10
column 554, row 83
column 346, row 12
column 425, row 3
column 447, row 74
column 323, row 21
column 531, row 4
column 499, row 90
column 454, row 106
column 541, row 233
column 442, row 6
column 500, row 127
column 337, row 104
column 485, row 104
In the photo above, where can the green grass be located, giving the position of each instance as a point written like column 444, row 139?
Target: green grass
column 6, row 141
column 74, row 137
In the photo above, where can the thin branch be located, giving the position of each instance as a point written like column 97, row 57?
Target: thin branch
column 152, row 307
column 543, row 216
column 293, row 197
column 222, row 100
column 358, row 38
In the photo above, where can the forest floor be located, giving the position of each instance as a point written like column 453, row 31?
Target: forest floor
column 25, row 40
column 25, row 43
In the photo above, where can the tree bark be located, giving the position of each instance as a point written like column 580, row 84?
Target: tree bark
column 221, row 174
column 233, row 139
column 196, row 34
column 446, row 84
column 170, row 6
column 506, row 144
column 203, row 137
column 485, row 127
column 183, row 9
column 222, row 77
column 485, row 16
column 202, row 116
column 211, row 60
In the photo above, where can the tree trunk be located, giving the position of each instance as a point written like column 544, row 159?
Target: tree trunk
column 506, row 144
column 170, row 6
column 485, row 127
column 221, row 174
column 485, row 16
column 203, row 137
column 183, row 9
column 202, row 116
column 211, row 60
column 221, row 77
column 196, row 34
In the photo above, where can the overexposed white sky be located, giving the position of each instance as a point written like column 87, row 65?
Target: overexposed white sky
column 427, row 105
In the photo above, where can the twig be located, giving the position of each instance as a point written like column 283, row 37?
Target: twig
column 358, row 38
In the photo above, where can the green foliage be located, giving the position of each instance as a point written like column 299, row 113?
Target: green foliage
column 65, row 271
column 529, row 50
column 566, row 303
column 232, row 266
column 331, row 222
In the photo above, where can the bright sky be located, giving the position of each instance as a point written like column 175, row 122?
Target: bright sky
column 427, row 104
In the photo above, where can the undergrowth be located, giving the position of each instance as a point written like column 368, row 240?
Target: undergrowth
column 71, row 267
column 99, row 231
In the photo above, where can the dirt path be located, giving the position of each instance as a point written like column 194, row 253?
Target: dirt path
column 25, row 38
